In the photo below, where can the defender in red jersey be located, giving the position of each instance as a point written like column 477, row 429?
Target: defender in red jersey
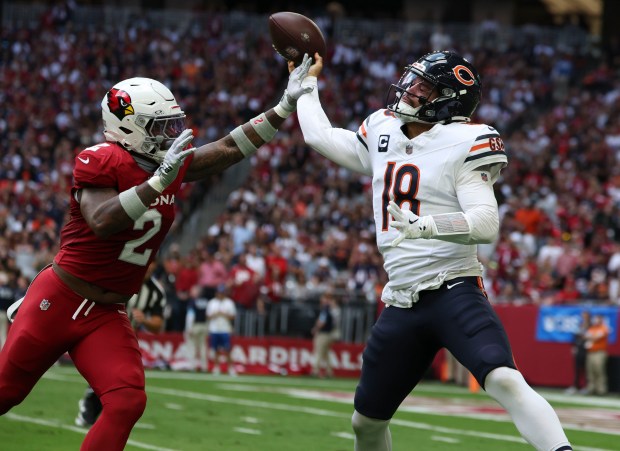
column 122, row 206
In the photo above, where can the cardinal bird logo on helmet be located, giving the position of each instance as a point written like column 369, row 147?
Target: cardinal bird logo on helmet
column 119, row 103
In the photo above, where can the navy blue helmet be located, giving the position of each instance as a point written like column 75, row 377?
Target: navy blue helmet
column 456, row 82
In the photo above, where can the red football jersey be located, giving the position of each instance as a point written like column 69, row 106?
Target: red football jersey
column 117, row 263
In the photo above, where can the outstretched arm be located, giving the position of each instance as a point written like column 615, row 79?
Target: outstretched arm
column 339, row 145
column 244, row 140
column 215, row 157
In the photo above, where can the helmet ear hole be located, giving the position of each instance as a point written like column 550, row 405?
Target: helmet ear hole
column 125, row 130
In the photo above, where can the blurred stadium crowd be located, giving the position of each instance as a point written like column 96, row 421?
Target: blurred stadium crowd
column 299, row 225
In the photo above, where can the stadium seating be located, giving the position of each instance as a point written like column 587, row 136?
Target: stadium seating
column 556, row 106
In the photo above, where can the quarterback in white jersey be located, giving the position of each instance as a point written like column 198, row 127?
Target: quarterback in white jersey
column 446, row 173
column 432, row 183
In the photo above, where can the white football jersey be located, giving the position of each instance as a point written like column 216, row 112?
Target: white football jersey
column 421, row 175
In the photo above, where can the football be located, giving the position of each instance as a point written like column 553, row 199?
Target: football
column 294, row 34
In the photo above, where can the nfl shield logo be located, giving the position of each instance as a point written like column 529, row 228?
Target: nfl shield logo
column 44, row 305
column 409, row 149
column 485, row 177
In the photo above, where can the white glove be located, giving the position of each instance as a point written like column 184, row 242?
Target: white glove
column 409, row 224
column 173, row 160
column 293, row 90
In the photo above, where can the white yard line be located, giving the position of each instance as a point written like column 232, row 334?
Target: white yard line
column 347, row 435
column 441, row 438
column 258, row 380
column 251, row 420
column 59, row 425
column 247, row 431
column 590, row 401
column 174, row 406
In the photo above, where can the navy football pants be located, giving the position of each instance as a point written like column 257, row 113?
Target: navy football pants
column 404, row 342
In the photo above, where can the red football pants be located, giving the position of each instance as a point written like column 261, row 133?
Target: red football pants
column 53, row 320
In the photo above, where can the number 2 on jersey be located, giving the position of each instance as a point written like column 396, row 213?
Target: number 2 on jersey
column 402, row 183
column 129, row 253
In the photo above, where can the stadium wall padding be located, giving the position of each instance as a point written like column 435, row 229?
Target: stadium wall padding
column 543, row 363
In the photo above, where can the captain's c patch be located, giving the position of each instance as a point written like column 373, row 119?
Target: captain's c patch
column 384, row 140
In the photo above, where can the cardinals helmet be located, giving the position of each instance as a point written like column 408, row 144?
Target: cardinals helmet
column 143, row 116
column 452, row 77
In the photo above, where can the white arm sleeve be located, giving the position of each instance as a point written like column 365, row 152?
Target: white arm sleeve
column 479, row 221
column 337, row 144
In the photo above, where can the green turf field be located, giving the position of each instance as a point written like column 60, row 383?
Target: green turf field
column 190, row 411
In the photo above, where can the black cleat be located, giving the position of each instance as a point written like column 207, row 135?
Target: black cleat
column 90, row 408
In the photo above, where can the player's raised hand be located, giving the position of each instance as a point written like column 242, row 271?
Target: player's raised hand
column 169, row 168
column 406, row 222
column 314, row 70
column 317, row 67
column 294, row 90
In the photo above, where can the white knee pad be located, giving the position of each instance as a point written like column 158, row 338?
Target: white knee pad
column 505, row 380
column 371, row 434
